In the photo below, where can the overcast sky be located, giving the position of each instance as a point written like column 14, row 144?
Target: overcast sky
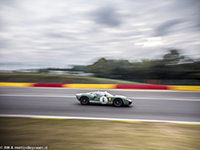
column 65, row 32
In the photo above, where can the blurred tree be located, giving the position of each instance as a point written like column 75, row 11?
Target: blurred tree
column 79, row 68
column 172, row 66
column 172, row 58
column 43, row 71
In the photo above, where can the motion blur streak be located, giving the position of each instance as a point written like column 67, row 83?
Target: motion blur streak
column 48, row 85
column 185, row 88
column 94, row 118
column 16, row 84
column 94, row 86
column 103, row 86
column 152, row 87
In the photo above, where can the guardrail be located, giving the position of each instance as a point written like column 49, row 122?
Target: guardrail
column 104, row 86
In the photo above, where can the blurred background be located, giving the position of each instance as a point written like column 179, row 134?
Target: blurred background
column 148, row 42
column 100, row 42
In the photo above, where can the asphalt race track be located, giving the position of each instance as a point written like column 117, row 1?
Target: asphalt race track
column 151, row 105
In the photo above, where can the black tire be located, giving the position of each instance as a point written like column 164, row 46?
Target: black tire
column 117, row 102
column 84, row 100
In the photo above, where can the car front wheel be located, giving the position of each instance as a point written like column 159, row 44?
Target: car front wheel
column 117, row 102
column 84, row 100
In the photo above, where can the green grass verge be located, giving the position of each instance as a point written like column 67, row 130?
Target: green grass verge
column 98, row 135
column 51, row 78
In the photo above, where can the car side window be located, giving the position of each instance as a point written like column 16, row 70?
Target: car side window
column 100, row 94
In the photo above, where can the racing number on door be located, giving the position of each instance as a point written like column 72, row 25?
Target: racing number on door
column 103, row 100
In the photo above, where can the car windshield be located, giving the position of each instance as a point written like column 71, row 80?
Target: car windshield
column 100, row 93
column 103, row 94
column 108, row 94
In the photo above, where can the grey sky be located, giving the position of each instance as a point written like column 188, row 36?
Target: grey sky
column 60, row 32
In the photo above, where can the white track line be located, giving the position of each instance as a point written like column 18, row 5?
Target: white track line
column 73, row 96
column 94, row 118
column 167, row 99
column 13, row 95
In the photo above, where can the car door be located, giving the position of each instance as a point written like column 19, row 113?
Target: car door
column 97, row 97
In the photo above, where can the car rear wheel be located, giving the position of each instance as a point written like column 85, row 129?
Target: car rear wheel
column 117, row 102
column 84, row 100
